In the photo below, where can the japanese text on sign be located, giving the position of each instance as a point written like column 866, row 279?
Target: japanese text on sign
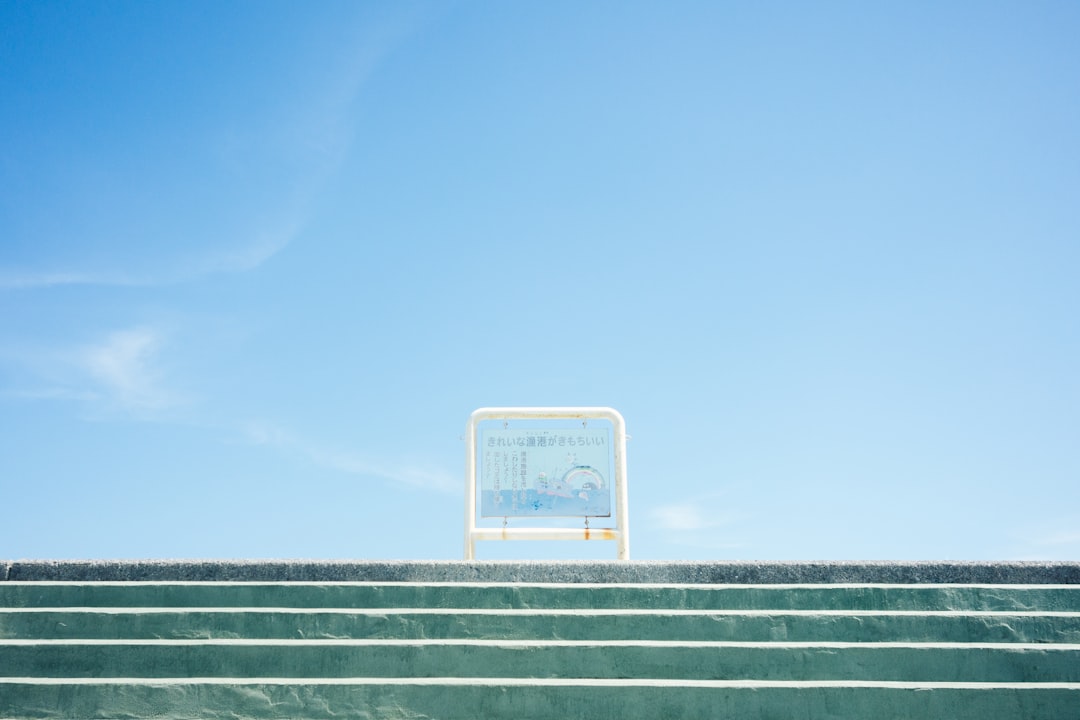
column 545, row 472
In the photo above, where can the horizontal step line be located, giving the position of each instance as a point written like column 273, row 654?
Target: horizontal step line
column 477, row 642
column 585, row 612
column 510, row 584
column 554, row 682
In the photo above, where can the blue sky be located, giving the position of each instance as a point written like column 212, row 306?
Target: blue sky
column 259, row 261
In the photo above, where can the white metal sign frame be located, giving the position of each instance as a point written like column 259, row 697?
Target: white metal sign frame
column 620, row 533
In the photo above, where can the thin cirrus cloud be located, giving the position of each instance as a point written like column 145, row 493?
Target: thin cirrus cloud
column 318, row 138
column 119, row 372
column 409, row 474
column 1068, row 537
column 684, row 516
column 124, row 369
column 1060, row 540
column 251, row 256
column 27, row 280
column 241, row 259
column 404, row 474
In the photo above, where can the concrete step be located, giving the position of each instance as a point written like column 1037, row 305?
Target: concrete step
column 1000, row 598
column 944, row 662
column 542, row 624
column 78, row 643
column 468, row 699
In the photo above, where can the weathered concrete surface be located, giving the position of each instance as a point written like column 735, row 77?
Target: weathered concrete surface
column 576, row 596
column 705, row 625
column 291, row 639
column 569, row 660
column 586, row 571
column 540, row 701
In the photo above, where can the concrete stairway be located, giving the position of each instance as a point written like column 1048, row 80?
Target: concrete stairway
column 508, row 640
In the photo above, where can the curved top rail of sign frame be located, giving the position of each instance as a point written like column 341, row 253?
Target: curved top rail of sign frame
column 554, row 413
column 621, row 532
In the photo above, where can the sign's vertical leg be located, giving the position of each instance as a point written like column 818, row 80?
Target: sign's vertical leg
column 470, row 489
column 621, row 495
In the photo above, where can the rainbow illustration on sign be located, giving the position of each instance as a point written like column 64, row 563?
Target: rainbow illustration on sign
column 553, row 473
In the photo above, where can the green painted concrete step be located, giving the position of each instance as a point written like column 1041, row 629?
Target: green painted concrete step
column 594, row 571
column 750, row 625
column 566, row 596
column 618, row 640
column 496, row 699
column 948, row 662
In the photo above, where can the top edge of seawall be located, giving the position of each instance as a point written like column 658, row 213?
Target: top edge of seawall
column 688, row 572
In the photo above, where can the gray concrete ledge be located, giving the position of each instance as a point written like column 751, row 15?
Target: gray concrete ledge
column 547, row 571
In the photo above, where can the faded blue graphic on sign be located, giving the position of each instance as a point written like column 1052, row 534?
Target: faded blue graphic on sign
column 563, row 472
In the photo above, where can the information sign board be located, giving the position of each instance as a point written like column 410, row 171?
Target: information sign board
column 558, row 472
column 544, row 465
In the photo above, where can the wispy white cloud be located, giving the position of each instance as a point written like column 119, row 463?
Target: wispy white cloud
column 1054, row 539
column 120, row 372
column 702, row 523
column 52, row 393
column 685, row 516
column 406, row 472
column 124, row 367
column 238, row 259
column 259, row 433
column 1064, row 537
column 249, row 257
column 314, row 136
column 27, row 280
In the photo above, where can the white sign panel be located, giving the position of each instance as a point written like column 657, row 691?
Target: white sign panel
column 544, row 465
column 546, row 472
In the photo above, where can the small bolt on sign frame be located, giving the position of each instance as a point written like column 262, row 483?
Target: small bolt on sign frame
column 538, row 464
